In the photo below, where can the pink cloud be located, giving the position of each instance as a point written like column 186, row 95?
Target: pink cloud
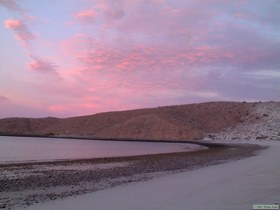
column 145, row 53
column 149, row 58
column 23, row 34
column 137, row 68
column 42, row 65
column 87, row 16
column 150, row 74
column 91, row 104
column 14, row 24
column 20, row 29
column 77, row 107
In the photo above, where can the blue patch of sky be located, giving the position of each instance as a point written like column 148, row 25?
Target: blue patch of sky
column 54, row 20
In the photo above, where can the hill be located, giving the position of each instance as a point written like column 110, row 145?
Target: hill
column 188, row 122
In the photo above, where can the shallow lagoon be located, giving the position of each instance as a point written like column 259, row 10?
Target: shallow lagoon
column 25, row 149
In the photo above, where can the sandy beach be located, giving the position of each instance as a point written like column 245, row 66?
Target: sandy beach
column 233, row 185
column 25, row 184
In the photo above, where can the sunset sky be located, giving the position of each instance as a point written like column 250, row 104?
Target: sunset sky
column 67, row 57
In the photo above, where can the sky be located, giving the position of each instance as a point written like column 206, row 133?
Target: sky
column 67, row 58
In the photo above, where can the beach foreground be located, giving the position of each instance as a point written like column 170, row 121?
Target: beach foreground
column 24, row 184
column 233, row 185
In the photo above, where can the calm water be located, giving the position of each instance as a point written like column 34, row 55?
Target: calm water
column 23, row 149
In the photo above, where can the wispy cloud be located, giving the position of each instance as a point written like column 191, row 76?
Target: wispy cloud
column 3, row 98
column 26, row 37
column 141, row 53
column 15, row 7
column 11, row 5
column 20, row 29
column 87, row 16
column 187, row 50
column 42, row 65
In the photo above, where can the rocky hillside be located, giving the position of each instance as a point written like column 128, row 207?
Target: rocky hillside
column 262, row 122
column 188, row 122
